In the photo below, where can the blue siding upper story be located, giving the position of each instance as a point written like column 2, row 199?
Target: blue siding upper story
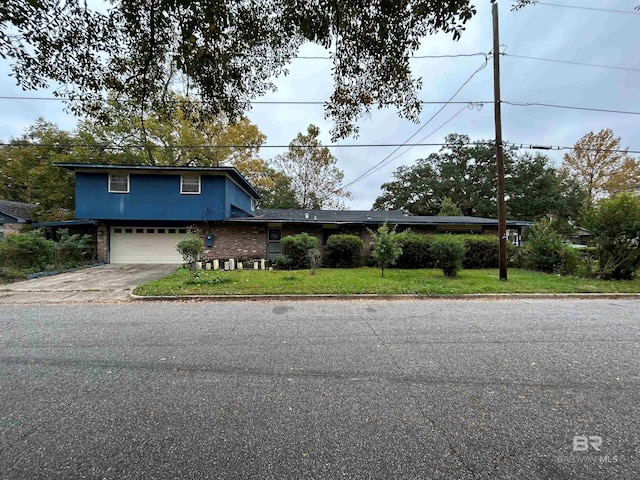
column 157, row 197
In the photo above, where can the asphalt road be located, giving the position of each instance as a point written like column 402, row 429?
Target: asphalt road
column 524, row 389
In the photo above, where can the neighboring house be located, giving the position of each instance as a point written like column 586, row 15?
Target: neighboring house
column 581, row 236
column 14, row 216
column 143, row 212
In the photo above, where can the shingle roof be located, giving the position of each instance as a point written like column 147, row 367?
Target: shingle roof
column 372, row 217
column 18, row 210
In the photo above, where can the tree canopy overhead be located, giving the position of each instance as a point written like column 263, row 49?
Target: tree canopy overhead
column 223, row 53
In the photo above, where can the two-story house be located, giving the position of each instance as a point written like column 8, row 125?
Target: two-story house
column 142, row 212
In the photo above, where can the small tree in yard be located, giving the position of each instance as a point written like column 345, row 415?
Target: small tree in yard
column 191, row 249
column 386, row 249
column 315, row 259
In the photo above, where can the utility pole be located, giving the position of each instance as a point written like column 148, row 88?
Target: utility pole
column 502, row 210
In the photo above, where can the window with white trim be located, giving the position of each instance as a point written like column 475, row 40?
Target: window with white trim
column 118, row 183
column 190, row 184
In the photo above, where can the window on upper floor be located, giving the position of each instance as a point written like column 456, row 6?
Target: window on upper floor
column 118, row 183
column 190, row 184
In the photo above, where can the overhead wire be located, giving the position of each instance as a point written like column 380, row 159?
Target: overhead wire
column 582, row 7
column 258, row 102
column 567, row 107
column 627, row 69
column 411, row 146
column 367, row 172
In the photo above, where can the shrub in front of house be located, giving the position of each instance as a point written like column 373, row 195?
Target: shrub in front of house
column 28, row 252
column 343, row 251
column 415, row 251
column 73, row 250
column 191, row 250
column 297, row 248
column 282, row 262
column 545, row 250
column 615, row 224
column 483, row 251
column 448, row 252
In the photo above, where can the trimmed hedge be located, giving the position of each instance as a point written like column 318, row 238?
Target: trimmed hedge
column 415, row 251
column 343, row 251
column 482, row 251
column 449, row 251
column 297, row 248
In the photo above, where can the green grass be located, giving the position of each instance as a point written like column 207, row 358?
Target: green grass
column 368, row 280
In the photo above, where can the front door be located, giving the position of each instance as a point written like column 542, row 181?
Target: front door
column 274, row 247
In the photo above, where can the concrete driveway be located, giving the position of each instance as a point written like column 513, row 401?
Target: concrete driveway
column 106, row 283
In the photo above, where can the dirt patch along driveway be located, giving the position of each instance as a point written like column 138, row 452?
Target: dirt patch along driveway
column 105, row 283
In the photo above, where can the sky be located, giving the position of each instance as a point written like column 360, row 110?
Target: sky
column 577, row 31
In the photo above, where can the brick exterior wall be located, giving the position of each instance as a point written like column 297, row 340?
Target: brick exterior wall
column 14, row 228
column 236, row 241
column 102, row 242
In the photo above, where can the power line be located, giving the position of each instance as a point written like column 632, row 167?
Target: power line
column 381, row 162
column 259, row 102
column 568, row 107
column 525, row 145
column 628, row 69
column 530, row 146
column 628, row 12
column 391, row 160
column 410, row 57
column 142, row 146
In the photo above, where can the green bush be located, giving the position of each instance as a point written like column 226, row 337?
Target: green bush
column 73, row 250
column 483, row 251
column 297, row 248
column 615, row 225
column 448, row 251
column 29, row 252
column 344, row 251
column 415, row 251
column 544, row 250
column 282, row 262
column 191, row 249
column 570, row 261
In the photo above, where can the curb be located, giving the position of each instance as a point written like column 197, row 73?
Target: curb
column 373, row 296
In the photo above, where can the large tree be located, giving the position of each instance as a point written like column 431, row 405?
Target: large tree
column 27, row 173
column 465, row 172
column 175, row 139
column 602, row 166
column 224, row 53
column 312, row 169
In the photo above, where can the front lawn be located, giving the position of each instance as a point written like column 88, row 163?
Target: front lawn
column 368, row 280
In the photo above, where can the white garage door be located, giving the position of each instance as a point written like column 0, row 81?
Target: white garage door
column 146, row 244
